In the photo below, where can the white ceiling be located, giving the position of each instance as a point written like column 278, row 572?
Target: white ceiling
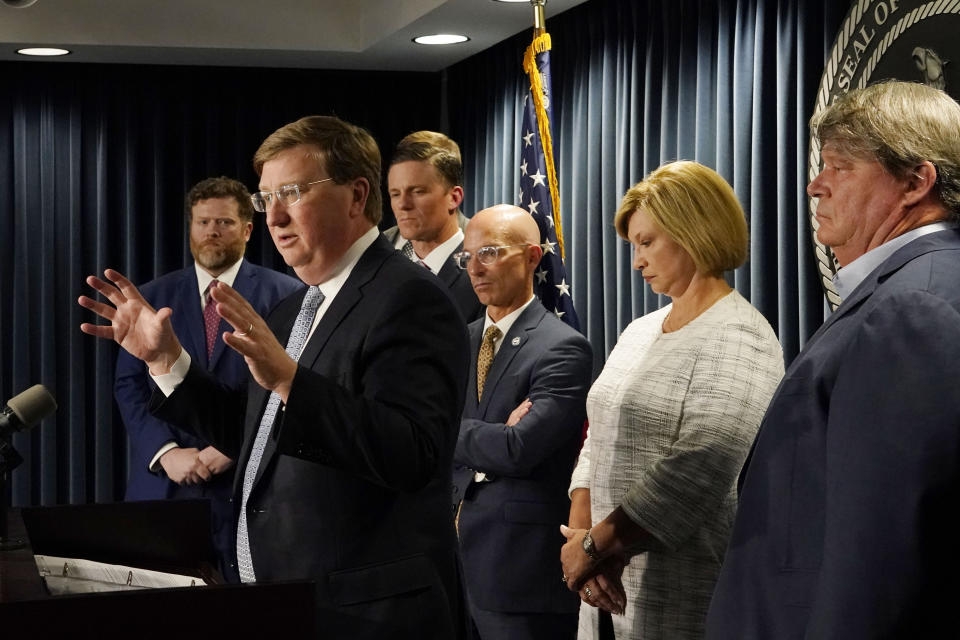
column 331, row 34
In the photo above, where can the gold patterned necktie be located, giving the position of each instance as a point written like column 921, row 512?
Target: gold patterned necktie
column 485, row 357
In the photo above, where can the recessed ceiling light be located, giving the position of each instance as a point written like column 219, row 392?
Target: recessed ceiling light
column 42, row 51
column 441, row 38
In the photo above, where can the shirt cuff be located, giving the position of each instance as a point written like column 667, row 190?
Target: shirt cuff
column 167, row 382
column 154, row 465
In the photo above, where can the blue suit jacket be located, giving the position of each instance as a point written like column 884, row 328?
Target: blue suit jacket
column 847, row 525
column 179, row 290
column 510, row 527
column 353, row 489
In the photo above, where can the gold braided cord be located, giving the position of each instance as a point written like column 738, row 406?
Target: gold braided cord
column 540, row 44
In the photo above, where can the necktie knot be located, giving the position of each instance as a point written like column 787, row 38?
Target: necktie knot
column 407, row 250
column 485, row 356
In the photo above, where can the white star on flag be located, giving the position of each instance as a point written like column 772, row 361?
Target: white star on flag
column 538, row 178
column 548, row 247
column 533, row 206
column 563, row 287
column 541, row 276
column 523, row 168
column 559, row 313
column 527, row 139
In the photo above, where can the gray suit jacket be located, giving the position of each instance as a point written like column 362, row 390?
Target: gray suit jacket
column 847, row 524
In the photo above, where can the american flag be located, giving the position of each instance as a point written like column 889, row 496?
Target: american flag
column 538, row 182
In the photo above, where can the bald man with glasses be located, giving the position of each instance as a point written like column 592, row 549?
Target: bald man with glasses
column 519, row 437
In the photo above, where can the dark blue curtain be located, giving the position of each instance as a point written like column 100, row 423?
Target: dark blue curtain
column 94, row 164
column 729, row 83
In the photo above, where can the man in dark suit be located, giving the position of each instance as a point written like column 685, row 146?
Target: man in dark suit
column 344, row 439
column 425, row 185
column 847, row 525
column 522, row 420
column 164, row 461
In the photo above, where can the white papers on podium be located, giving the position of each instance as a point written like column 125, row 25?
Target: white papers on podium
column 74, row 575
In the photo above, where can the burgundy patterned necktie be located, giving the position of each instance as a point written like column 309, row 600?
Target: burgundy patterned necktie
column 211, row 319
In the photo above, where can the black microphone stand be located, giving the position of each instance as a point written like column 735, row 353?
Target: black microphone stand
column 9, row 460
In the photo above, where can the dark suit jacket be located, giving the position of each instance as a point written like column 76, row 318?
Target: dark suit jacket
column 353, row 487
column 847, row 526
column 510, row 527
column 263, row 288
column 456, row 279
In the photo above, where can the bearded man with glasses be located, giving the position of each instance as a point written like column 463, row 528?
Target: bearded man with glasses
column 344, row 438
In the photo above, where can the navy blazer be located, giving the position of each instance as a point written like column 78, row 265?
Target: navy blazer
column 510, row 526
column 461, row 289
column 847, row 525
column 353, row 487
column 456, row 279
column 263, row 289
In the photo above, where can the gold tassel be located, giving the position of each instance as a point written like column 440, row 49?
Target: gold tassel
column 540, row 44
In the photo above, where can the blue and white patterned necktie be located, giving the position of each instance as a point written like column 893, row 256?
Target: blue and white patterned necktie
column 301, row 328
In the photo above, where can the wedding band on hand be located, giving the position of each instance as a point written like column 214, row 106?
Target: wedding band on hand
column 587, row 591
column 243, row 333
column 563, row 579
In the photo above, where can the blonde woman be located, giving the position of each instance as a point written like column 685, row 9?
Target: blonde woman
column 672, row 416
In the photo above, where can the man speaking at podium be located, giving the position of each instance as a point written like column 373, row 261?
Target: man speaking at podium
column 344, row 438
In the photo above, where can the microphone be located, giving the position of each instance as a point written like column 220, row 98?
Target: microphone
column 23, row 411
column 26, row 409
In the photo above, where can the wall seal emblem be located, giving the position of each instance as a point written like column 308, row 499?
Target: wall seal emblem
column 912, row 40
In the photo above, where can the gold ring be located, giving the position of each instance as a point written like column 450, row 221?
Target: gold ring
column 243, row 333
column 587, row 591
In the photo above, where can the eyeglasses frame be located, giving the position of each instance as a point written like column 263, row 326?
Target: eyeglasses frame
column 276, row 192
column 459, row 254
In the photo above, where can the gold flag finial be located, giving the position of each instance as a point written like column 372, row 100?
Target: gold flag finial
column 539, row 23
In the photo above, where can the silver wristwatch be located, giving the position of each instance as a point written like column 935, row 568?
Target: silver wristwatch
column 589, row 547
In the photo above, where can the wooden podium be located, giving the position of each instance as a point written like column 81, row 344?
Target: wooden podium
column 167, row 535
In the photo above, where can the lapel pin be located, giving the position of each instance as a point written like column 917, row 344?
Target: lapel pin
column 515, row 341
